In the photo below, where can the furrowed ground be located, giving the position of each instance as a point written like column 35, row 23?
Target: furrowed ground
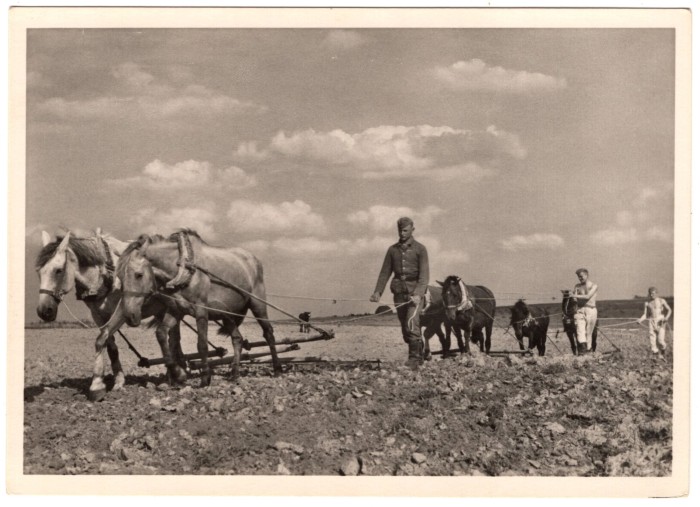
column 606, row 414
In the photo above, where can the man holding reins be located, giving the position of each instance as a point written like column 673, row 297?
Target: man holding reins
column 586, row 316
column 408, row 261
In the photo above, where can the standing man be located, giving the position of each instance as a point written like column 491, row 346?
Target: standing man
column 408, row 261
column 654, row 311
column 586, row 316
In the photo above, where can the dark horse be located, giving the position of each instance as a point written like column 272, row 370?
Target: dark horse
column 433, row 318
column 303, row 325
column 469, row 308
column 568, row 310
column 530, row 321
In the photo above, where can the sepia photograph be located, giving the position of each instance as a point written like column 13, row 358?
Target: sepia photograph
column 403, row 252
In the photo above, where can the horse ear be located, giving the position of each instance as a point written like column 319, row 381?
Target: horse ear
column 145, row 242
column 98, row 231
column 64, row 243
column 441, row 284
column 45, row 238
column 117, row 283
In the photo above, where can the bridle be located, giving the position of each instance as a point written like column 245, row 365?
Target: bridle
column 56, row 294
column 463, row 302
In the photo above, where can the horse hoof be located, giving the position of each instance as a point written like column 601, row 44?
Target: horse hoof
column 97, row 395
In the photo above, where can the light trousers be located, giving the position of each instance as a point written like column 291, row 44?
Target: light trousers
column 657, row 335
column 585, row 319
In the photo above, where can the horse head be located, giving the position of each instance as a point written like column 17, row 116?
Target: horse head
column 453, row 296
column 56, row 265
column 520, row 318
column 568, row 304
column 137, row 279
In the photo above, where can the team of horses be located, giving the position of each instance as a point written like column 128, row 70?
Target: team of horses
column 168, row 278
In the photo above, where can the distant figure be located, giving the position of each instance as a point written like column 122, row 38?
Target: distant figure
column 654, row 312
column 304, row 326
column 407, row 260
column 587, row 315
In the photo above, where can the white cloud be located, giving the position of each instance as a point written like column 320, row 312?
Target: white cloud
column 649, row 219
column 286, row 217
column 615, row 236
column 141, row 95
column 532, row 241
column 382, row 218
column 392, row 152
column 442, row 261
column 476, row 75
column 344, row 39
column 152, row 221
column 659, row 233
column 192, row 174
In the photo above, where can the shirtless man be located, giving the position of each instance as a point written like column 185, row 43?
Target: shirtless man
column 586, row 316
column 654, row 312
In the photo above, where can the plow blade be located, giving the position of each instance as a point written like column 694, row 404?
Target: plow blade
column 507, row 352
column 196, row 364
column 146, row 363
column 290, row 341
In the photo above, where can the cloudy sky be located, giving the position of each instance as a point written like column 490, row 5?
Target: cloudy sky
column 521, row 154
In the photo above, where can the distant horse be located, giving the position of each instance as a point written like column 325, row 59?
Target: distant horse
column 433, row 318
column 303, row 325
column 469, row 308
column 87, row 265
column 530, row 321
column 569, row 306
column 210, row 283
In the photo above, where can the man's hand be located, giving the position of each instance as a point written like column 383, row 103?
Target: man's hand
column 416, row 300
column 374, row 298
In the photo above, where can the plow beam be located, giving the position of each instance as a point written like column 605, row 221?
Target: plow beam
column 146, row 363
column 290, row 341
column 507, row 352
column 312, row 360
column 197, row 365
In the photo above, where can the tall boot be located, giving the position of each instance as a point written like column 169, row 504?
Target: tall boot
column 415, row 354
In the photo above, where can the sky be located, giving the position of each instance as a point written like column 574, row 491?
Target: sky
column 521, row 154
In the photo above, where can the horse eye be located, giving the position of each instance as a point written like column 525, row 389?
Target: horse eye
column 59, row 271
column 139, row 275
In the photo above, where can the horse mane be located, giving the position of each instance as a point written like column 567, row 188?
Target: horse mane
column 134, row 245
column 189, row 232
column 451, row 279
column 521, row 307
column 85, row 250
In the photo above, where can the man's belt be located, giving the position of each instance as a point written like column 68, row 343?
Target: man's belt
column 405, row 278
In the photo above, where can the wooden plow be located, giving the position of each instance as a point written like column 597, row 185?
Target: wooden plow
column 194, row 362
column 498, row 353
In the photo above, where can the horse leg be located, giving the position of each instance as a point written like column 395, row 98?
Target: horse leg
column 467, row 336
column 478, row 337
column 168, row 334
column 113, row 352
column 237, row 342
column 594, row 338
column 98, row 390
column 259, row 310
column 541, row 342
column 489, row 328
column 427, row 334
column 175, row 344
column 202, row 319
column 458, row 334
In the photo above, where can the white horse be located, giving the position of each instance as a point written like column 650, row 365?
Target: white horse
column 87, row 265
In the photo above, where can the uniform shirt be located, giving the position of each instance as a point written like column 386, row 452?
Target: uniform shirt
column 584, row 288
column 407, row 261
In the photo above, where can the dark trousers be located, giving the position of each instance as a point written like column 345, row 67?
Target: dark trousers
column 409, row 316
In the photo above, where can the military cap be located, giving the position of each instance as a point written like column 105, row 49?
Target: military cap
column 404, row 221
